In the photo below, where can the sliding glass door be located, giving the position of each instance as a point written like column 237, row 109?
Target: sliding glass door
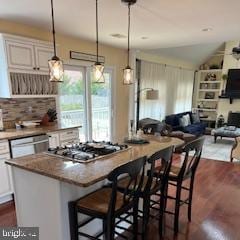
column 72, row 99
column 83, row 102
column 101, row 108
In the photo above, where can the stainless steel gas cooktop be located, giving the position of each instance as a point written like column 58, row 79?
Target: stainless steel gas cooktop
column 87, row 152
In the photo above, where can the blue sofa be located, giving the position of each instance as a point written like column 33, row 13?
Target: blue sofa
column 194, row 128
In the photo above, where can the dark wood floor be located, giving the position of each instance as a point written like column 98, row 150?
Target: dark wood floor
column 216, row 206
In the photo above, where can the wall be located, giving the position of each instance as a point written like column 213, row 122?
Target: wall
column 165, row 60
column 24, row 109
column 114, row 57
column 229, row 62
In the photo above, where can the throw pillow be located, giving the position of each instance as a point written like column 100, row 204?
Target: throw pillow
column 187, row 117
column 183, row 122
column 195, row 118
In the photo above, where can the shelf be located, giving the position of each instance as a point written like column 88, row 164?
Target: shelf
column 206, row 109
column 34, row 96
column 210, row 82
column 210, row 70
column 207, row 119
column 207, row 100
column 209, row 90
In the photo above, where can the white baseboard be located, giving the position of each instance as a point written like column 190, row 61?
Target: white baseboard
column 6, row 198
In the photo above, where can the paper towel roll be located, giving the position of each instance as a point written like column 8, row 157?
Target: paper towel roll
column 1, row 120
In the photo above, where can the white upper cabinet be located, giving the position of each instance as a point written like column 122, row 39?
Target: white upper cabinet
column 42, row 55
column 20, row 55
column 22, row 62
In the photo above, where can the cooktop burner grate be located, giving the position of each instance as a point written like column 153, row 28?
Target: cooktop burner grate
column 87, row 152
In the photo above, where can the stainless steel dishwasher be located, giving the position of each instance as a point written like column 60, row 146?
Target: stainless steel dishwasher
column 29, row 145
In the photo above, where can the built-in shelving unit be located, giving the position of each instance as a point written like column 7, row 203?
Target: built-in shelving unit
column 207, row 90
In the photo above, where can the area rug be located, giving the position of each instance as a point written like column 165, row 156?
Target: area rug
column 221, row 150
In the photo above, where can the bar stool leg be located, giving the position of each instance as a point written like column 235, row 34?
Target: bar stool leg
column 109, row 226
column 163, row 205
column 177, row 207
column 73, row 220
column 135, row 220
column 145, row 217
column 190, row 199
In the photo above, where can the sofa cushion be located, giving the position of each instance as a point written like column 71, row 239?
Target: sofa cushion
column 197, row 128
column 172, row 120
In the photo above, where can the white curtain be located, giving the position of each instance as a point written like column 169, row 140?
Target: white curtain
column 184, row 91
column 175, row 86
column 153, row 76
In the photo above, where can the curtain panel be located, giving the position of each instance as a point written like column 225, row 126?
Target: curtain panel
column 175, row 86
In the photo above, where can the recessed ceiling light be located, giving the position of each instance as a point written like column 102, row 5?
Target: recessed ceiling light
column 207, row 29
column 144, row 38
column 118, row 35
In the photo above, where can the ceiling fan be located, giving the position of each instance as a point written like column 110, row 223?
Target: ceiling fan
column 235, row 53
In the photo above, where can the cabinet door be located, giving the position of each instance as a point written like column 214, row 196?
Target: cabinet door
column 5, row 183
column 53, row 140
column 20, row 55
column 43, row 54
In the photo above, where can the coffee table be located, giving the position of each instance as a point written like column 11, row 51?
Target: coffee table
column 223, row 132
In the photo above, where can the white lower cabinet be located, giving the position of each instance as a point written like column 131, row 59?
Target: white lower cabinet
column 6, row 189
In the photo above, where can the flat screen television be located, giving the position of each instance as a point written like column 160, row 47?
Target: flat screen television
column 233, row 83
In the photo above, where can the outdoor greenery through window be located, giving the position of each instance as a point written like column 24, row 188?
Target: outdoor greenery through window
column 83, row 102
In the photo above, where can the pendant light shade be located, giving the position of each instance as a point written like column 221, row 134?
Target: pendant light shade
column 128, row 71
column 98, row 68
column 128, row 75
column 56, row 69
column 55, row 64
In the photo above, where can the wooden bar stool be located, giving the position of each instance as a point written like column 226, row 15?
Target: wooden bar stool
column 155, row 181
column 109, row 203
column 186, row 171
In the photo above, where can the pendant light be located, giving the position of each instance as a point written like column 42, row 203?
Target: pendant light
column 55, row 64
column 128, row 71
column 98, row 67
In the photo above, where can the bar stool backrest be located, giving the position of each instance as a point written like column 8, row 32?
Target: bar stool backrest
column 134, row 171
column 191, row 162
column 161, row 173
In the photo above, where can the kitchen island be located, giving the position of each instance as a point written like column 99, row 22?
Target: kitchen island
column 44, row 185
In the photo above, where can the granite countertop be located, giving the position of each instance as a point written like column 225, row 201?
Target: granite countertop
column 86, row 174
column 27, row 132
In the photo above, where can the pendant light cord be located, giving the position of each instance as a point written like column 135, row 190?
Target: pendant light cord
column 129, row 20
column 97, row 27
column 53, row 30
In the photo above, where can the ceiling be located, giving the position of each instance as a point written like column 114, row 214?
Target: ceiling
column 196, row 54
column 165, row 23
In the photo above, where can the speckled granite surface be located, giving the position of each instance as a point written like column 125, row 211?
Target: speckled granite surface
column 86, row 174
column 26, row 132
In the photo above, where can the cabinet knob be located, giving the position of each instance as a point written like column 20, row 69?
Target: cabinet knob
column 34, row 68
column 38, row 68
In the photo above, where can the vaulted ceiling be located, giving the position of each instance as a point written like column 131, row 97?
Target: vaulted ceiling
column 155, row 23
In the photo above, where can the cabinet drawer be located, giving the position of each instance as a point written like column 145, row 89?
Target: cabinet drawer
column 69, row 135
column 4, row 147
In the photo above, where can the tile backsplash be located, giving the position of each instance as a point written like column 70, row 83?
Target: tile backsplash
column 24, row 109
